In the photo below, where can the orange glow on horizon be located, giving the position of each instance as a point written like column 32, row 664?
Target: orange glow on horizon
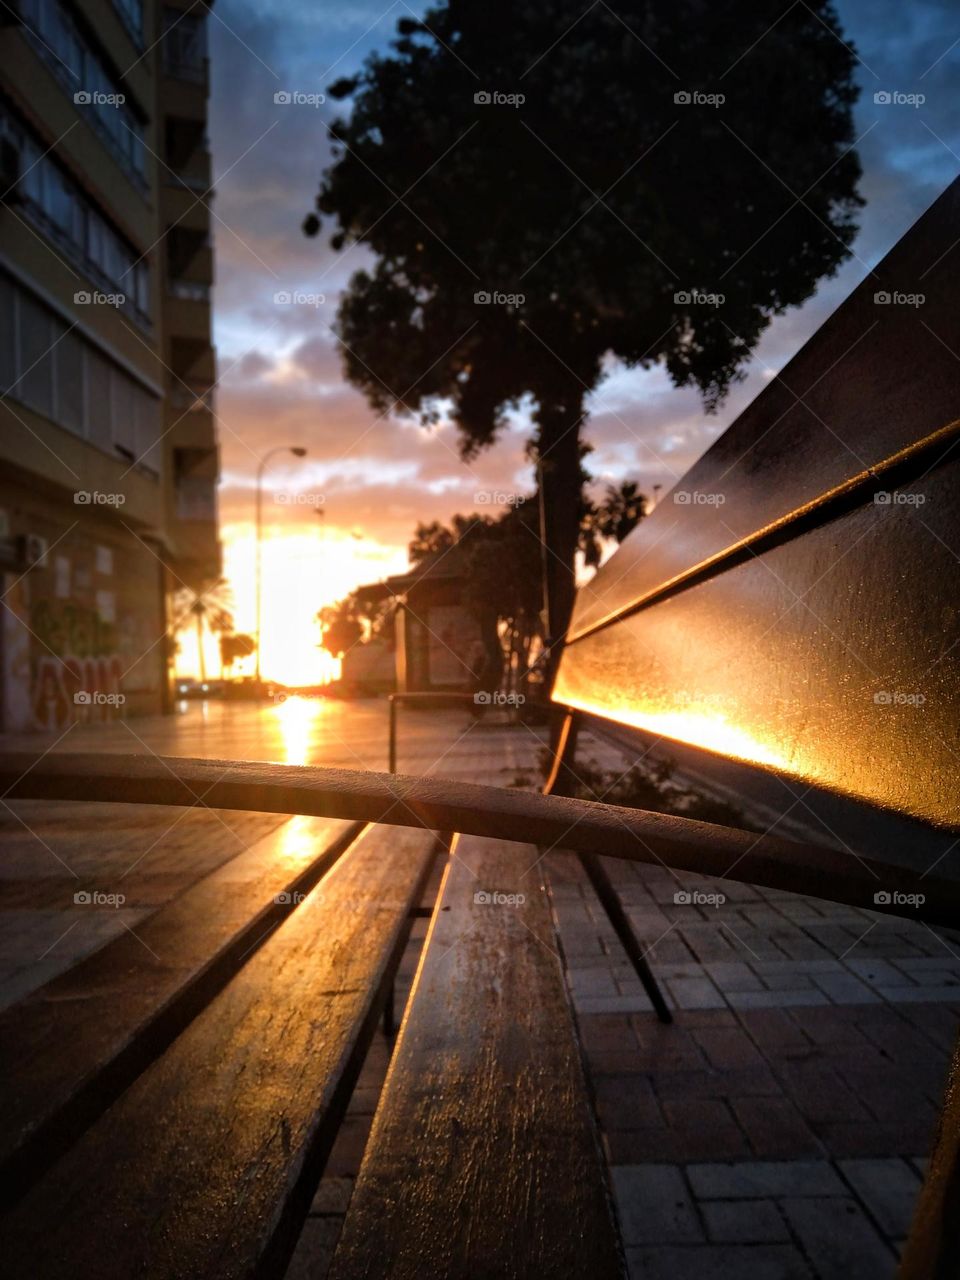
column 304, row 569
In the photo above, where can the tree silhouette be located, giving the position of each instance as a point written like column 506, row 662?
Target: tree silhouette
column 210, row 610
column 619, row 512
column 234, row 647
column 517, row 246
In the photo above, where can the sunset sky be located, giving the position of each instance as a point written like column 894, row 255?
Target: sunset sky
column 280, row 379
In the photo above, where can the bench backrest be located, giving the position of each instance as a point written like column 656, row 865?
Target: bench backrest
column 794, row 601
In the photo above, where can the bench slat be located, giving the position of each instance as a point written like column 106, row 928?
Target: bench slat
column 69, row 1048
column 483, row 1159
column 205, row 1166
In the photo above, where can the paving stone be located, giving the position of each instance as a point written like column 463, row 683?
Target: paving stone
column 728, row 1047
column 787, row 981
column 755, row 1179
column 315, row 1248
column 733, row 976
column 845, row 988
column 765, row 967
column 828, row 1027
column 820, row 1095
column 654, row 1205
column 332, row 1196
column 879, row 973
column 627, row 1102
column 695, row 993
column 592, row 982
column 744, row 1082
column 638, row 1003
column 903, row 995
column 888, row 1188
column 719, row 1262
column 775, row 1128
column 607, row 1032
column 773, row 1030
column 776, row 999
column 744, row 1222
column 839, row 1239
column 877, row 1139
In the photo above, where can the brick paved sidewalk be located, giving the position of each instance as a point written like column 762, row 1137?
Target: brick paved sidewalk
column 777, row 1129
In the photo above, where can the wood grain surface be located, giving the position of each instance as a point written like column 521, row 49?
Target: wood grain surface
column 484, row 1159
column 205, row 1166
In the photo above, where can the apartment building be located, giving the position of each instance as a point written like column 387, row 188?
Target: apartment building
column 108, row 448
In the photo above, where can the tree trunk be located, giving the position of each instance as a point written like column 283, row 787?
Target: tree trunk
column 203, row 664
column 561, row 478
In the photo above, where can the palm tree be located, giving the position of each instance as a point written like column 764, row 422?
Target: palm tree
column 213, row 607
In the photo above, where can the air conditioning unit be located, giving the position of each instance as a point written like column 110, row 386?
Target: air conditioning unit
column 33, row 549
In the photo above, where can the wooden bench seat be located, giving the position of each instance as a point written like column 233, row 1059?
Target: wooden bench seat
column 483, row 1159
column 205, row 1165
column 70, row 1048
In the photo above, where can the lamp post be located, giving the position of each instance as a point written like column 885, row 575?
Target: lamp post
column 297, row 452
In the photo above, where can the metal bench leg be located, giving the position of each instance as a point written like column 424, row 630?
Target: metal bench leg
column 609, row 898
column 561, row 782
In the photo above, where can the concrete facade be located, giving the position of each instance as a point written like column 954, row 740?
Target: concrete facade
column 108, row 451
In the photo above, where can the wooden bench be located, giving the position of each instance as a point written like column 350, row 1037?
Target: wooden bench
column 182, row 1107
column 167, row 1111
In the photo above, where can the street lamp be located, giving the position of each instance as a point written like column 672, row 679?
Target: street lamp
column 297, row 452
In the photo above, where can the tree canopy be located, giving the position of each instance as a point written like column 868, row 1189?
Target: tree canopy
column 543, row 187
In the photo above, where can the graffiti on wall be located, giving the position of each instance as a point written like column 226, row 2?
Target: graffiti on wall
column 77, row 669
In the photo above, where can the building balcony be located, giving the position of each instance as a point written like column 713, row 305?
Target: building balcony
column 192, row 360
column 186, row 314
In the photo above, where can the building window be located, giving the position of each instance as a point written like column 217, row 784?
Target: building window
column 74, row 223
column 131, row 15
column 185, row 45
column 99, row 93
column 56, row 371
column 195, row 484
